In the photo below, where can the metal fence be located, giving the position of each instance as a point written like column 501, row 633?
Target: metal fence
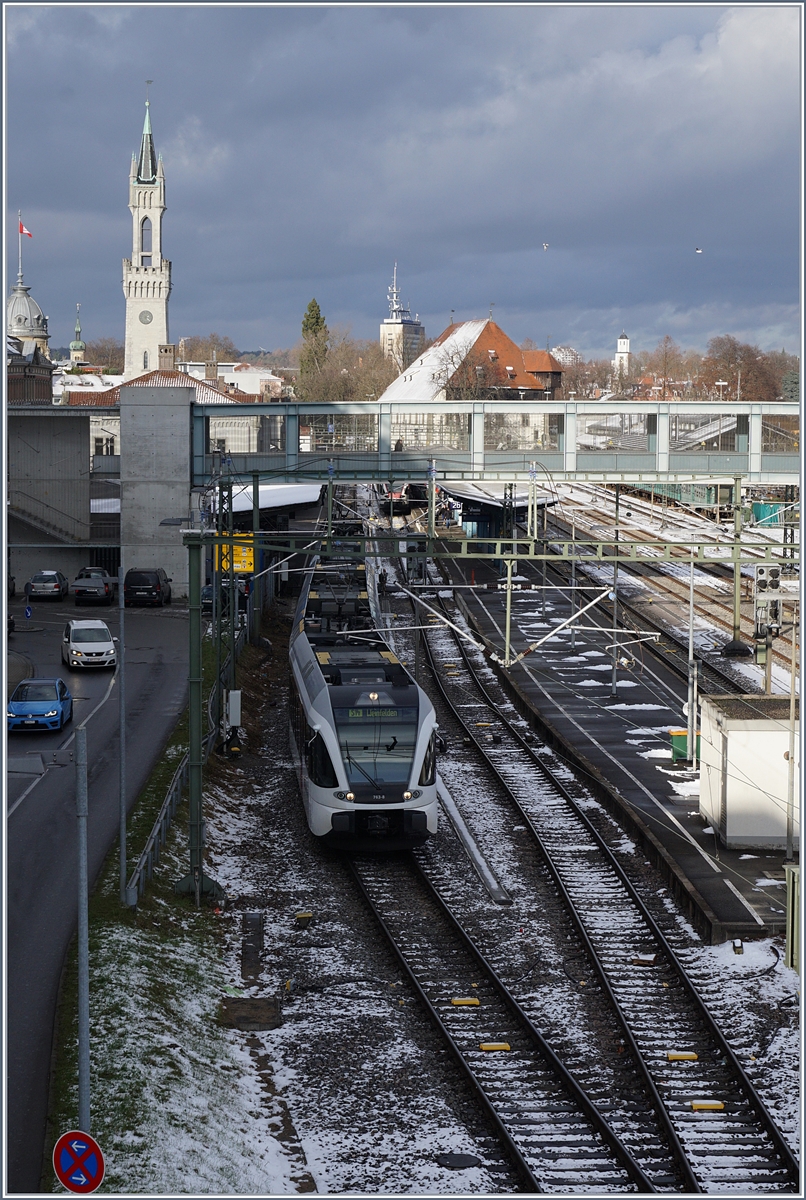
column 159, row 832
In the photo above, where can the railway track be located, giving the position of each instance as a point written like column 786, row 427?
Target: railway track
column 716, row 610
column 556, row 1137
column 715, row 1126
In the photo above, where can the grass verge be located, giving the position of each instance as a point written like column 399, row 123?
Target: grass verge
column 158, row 1057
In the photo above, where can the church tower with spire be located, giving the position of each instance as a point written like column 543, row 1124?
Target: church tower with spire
column 146, row 275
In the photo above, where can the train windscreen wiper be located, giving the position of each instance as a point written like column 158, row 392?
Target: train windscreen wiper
column 354, row 762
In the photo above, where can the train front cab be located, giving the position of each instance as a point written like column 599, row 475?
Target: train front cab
column 348, row 798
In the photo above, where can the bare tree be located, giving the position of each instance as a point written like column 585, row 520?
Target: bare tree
column 108, row 353
column 213, row 346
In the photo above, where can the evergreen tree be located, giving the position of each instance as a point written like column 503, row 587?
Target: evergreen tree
column 312, row 357
column 790, row 385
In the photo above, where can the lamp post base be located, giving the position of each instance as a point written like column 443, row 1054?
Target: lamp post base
column 737, row 649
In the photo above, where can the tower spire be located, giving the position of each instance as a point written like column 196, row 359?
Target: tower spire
column 147, row 161
column 78, row 322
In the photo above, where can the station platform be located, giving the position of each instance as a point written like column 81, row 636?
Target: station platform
column 621, row 745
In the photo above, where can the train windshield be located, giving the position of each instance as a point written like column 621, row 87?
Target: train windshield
column 377, row 742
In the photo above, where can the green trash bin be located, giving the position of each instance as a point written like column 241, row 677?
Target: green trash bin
column 679, row 739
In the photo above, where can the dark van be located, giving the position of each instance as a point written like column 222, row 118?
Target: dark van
column 146, row 587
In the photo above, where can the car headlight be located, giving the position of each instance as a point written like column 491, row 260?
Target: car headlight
column 54, row 712
column 9, row 713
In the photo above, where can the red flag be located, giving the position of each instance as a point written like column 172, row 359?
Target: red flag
column 24, row 230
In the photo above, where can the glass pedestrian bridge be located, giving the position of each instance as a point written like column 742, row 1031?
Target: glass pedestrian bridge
column 650, row 441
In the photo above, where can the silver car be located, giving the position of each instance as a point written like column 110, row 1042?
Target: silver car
column 48, row 583
column 88, row 644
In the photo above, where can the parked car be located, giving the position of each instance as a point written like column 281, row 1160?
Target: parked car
column 39, row 704
column 52, row 584
column 241, row 591
column 88, row 644
column 94, row 584
column 151, row 586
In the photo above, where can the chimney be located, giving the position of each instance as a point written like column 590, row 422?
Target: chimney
column 211, row 372
column 167, row 358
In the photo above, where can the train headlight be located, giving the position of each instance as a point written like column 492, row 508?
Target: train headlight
column 373, row 695
column 340, row 795
column 350, row 796
column 407, row 795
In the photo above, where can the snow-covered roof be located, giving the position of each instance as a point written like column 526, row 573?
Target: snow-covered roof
column 275, row 495
column 206, row 392
column 424, row 381
column 487, row 493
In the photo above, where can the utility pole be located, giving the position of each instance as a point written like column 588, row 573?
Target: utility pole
column 257, row 579
column 432, row 500
column 692, row 666
column 507, row 634
column 613, row 681
column 736, row 647
column 790, row 788
column 573, row 581
column 83, row 935
column 195, row 883
column 122, row 724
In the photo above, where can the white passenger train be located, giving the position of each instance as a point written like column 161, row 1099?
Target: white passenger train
column 363, row 734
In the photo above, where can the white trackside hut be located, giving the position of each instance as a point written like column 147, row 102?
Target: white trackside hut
column 363, row 733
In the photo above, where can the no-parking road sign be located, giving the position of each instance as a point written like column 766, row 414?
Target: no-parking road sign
column 78, row 1162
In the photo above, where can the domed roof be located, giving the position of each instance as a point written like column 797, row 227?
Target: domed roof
column 24, row 317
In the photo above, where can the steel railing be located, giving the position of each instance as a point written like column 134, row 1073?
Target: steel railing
column 159, row 831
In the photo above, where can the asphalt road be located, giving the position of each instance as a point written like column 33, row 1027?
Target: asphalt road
column 41, row 840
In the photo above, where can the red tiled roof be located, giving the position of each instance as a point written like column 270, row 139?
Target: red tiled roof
column 517, row 368
column 540, row 360
column 206, row 391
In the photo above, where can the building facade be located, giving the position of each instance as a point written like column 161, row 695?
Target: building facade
column 146, row 275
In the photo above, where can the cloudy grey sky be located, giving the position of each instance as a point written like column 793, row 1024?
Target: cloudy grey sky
column 308, row 148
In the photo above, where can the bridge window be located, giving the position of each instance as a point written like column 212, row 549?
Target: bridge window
column 625, row 432
column 703, row 433
column 237, row 435
column 528, row 432
column 339, row 432
column 431, row 431
column 780, row 435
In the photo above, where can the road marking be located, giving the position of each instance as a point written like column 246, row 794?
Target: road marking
column 63, row 746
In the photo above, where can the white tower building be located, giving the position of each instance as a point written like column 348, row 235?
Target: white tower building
column 146, row 275
column 621, row 363
column 401, row 337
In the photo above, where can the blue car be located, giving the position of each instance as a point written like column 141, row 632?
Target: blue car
column 40, row 704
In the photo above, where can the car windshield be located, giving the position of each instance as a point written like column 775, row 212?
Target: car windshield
column 97, row 634
column 44, row 577
column 89, row 573
column 35, row 691
column 377, row 743
column 139, row 578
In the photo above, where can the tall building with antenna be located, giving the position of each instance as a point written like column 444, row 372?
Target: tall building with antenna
column 402, row 336
column 146, row 275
